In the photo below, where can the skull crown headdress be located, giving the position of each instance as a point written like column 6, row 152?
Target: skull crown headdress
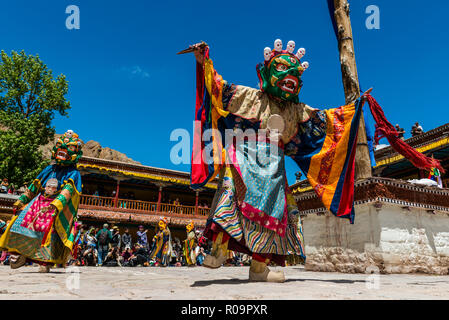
column 280, row 74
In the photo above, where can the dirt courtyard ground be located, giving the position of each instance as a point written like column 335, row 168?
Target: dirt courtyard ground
column 203, row 284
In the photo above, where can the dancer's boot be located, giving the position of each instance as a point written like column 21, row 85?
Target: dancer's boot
column 259, row 272
column 17, row 261
column 44, row 269
column 218, row 256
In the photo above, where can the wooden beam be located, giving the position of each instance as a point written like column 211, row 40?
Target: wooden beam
column 351, row 83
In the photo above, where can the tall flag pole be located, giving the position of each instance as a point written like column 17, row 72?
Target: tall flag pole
column 339, row 12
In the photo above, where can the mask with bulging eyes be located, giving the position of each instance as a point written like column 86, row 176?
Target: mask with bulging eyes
column 280, row 74
column 67, row 150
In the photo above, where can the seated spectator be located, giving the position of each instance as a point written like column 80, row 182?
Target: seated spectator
column 126, row 256
column 400, row 131
column 238, row 259
column 12, row 189
column 90, row 256
column 417, row 129
column 4, row 186
column 177, row 249
column 246, row 259
column 112, row 258
column 140, row 256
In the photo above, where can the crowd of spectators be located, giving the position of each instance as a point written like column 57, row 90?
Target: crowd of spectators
column 415, row 131
column 109, row 247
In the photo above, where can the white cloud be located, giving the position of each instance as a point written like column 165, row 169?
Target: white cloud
column 135, row 71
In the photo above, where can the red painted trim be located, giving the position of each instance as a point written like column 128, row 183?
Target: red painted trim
column 262, row 218
column 116, row 194
column 159, row 199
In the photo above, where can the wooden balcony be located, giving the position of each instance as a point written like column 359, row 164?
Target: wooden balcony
column 142, row 207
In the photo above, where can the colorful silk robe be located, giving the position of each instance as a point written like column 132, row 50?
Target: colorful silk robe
column 252, row 201
column 322, row 143
column 50, row 237
column 189, row 248
column 162, row 250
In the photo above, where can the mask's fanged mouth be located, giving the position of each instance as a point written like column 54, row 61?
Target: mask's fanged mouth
column 61, row 154
column 289, row 84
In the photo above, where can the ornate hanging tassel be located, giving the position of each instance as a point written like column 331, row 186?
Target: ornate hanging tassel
column 386, row 129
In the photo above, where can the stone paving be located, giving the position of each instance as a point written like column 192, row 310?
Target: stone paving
column 201, row 283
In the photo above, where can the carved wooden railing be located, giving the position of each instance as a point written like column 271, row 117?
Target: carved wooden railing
column 95, row 201
column 204, row 212
column 108, row 203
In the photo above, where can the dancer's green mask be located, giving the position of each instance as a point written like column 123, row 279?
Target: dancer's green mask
column 281, row 76
column 67, row 150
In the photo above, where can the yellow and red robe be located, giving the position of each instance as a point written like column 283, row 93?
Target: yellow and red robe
column 322, row 143
column 162, row 248
column 251, row 204
column 189, row 248
column 54, row 243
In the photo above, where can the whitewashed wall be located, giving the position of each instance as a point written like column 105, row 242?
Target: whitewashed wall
column 391, row 239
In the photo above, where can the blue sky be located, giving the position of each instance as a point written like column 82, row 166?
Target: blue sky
column 129, row 89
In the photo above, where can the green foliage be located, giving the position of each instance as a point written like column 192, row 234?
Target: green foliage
column 20, row 158
column 29, row 100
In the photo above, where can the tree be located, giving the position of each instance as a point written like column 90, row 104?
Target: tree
column 29, row 99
